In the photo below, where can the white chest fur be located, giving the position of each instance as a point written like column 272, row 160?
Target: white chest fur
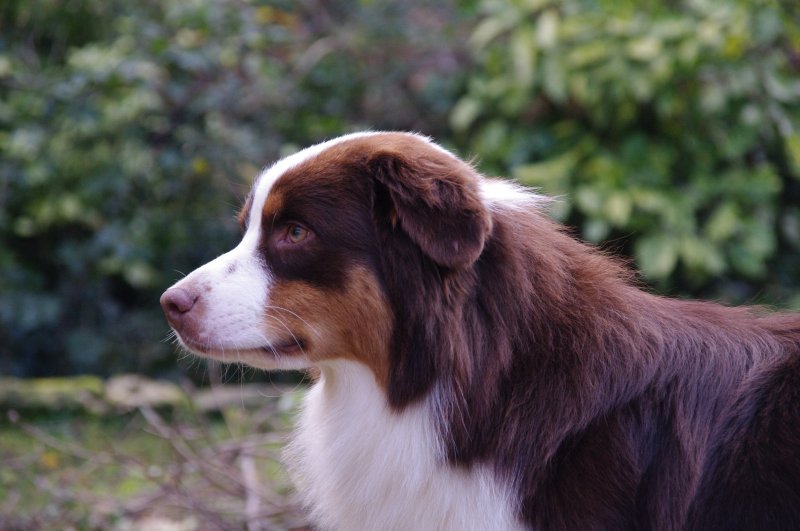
column 361, row 466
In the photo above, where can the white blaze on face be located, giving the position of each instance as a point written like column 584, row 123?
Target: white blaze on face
column 264, row 182
column 232, row 293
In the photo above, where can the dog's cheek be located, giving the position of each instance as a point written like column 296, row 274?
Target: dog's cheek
column 291, row 312
column 353, row 322
column 364, row 321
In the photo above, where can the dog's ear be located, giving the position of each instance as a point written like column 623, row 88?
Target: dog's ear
column 434, row 198
column 432, row 225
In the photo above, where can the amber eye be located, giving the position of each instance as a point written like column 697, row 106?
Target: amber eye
column 296, row 233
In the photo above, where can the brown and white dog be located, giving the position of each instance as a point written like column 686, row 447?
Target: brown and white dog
column 478, row 368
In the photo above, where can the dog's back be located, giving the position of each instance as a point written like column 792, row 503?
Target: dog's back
column 751, row 476
column 641, row 411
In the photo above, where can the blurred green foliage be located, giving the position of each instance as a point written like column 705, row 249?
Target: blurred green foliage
column 129, row 131
column 670, row 130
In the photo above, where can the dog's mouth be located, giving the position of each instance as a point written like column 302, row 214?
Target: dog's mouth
column 280, row 348
column 289, row 347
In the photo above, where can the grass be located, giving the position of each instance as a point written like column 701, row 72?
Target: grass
column 145, row 469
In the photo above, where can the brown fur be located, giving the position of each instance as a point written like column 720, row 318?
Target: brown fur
column 352, row 324
column 607, row 407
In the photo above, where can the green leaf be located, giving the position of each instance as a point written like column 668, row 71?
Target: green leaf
column 618, row 207
column 657, row 255
column 523, row 55
column 488, row 30
column 551, row 174
column 645, row 48
column 792, row 144
column 596, row 230
column 547, row 29
column 464, row 113
column 701, row 256
column 584, row 55
column 589, row 199
column 723, row 222
column 554, row 78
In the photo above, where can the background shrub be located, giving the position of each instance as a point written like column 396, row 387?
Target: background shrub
column 129, row 132
column 670, row 131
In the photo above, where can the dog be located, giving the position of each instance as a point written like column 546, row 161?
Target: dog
column 476, row 367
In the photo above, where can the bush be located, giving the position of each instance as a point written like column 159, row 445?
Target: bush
column 130, row 131
column 670, row 131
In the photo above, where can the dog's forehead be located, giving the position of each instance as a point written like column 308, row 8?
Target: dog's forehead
column 265, row 181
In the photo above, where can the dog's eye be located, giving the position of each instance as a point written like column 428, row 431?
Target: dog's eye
column 296, row 234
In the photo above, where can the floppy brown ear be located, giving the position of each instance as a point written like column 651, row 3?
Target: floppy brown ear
column 436, row 202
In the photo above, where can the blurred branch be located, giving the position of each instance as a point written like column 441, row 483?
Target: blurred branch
column 197, row 479
column 65, row 447
column 252, row 503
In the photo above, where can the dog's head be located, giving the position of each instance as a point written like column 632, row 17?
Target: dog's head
column 347, row 245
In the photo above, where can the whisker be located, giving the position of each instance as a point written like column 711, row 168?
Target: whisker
column 290, row 312
column 297, row 341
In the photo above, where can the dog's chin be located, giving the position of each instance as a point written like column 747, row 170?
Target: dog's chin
column 281, row 355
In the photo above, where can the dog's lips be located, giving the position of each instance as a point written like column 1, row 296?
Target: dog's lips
column 210, row 350
column 285, row 348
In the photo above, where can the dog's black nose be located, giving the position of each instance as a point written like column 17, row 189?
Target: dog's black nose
column 177, row 302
